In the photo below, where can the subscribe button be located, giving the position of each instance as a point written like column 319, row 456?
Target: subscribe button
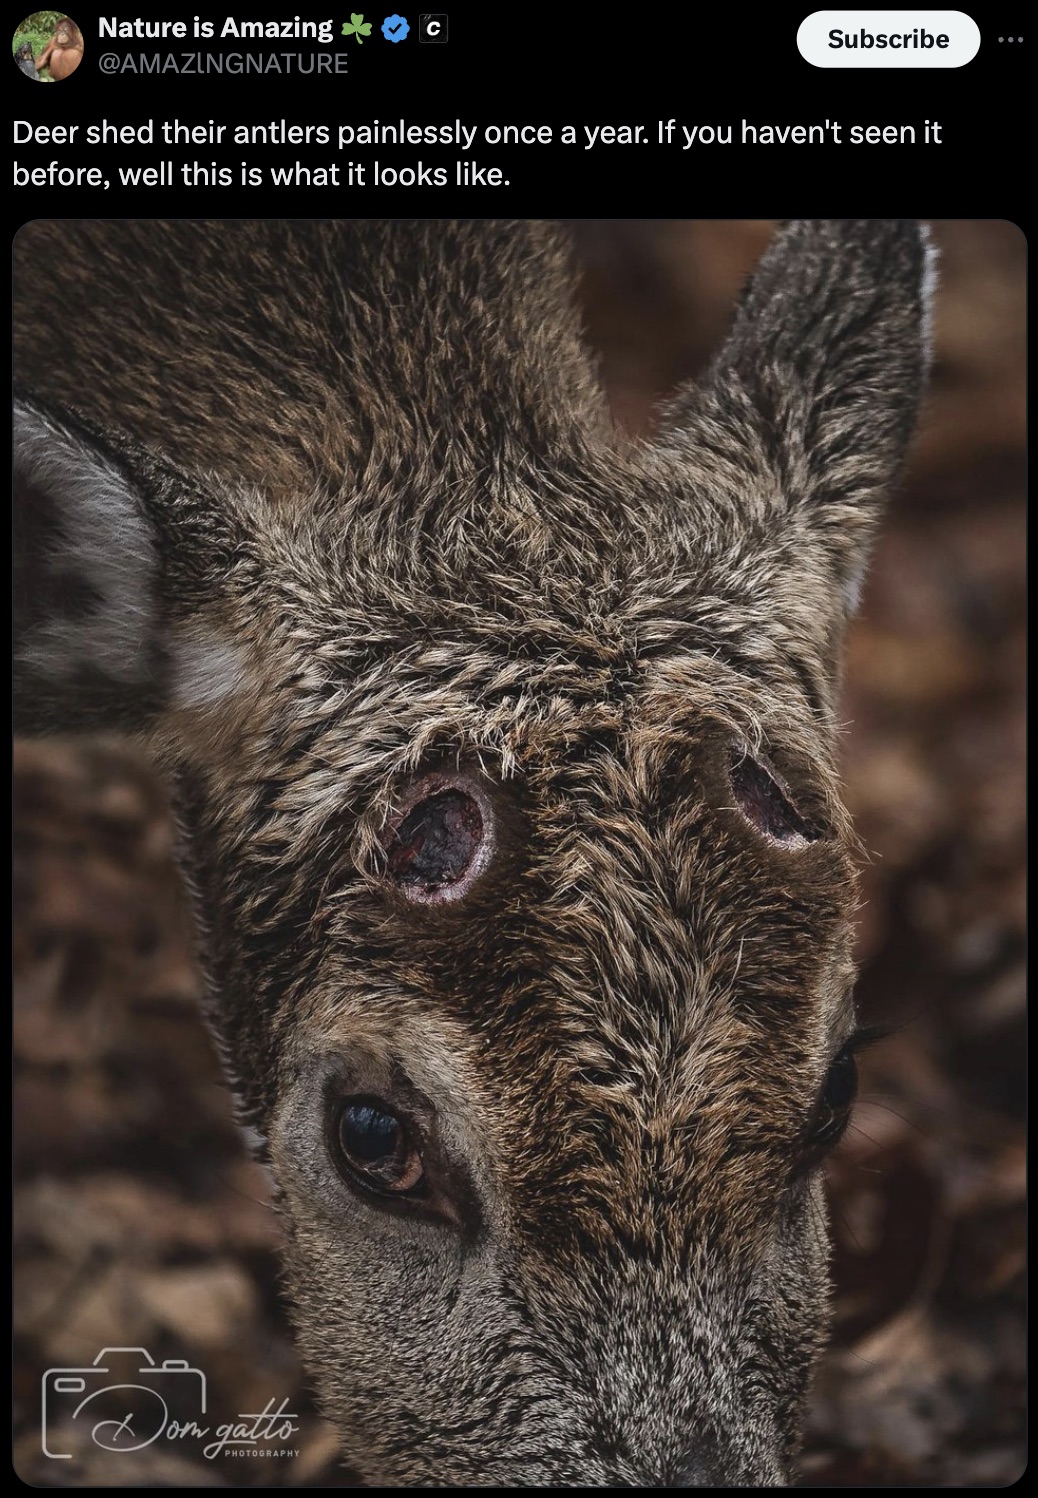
column 888, row 38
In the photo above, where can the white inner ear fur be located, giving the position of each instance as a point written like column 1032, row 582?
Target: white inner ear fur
column 927, row 296
column 853, row 590
column 104, row 543
column 928, row 292
column 207, row 671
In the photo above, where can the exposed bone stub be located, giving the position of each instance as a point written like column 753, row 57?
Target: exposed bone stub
column 437, row 842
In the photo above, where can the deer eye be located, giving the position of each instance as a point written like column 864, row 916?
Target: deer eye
column 832, row 1112
column 442, row 841
column 766, row 804
column 375, row 1149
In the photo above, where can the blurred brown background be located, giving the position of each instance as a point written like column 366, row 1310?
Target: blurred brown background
column 139, row 1220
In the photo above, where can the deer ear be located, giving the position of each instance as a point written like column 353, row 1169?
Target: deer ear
column 803, row 421
column 109, row 552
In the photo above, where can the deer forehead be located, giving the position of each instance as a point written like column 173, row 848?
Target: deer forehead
column 630, row 943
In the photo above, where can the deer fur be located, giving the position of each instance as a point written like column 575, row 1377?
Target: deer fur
column 331, row 514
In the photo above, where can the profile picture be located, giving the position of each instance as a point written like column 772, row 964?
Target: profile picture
column 47, row 46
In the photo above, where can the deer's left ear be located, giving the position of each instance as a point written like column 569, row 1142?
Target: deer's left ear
column 111, row 548
column 803, row 421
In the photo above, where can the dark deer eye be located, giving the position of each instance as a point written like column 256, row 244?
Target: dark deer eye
column 442, row 842
column 375, row 1149
column 833, row 1110
column 766, row 805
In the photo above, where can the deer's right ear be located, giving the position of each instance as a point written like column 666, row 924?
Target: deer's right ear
column 96, row 522
column 801, row 425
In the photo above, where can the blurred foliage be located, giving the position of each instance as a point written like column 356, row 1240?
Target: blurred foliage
column 37, row 30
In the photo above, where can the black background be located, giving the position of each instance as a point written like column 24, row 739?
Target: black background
column 561, row 65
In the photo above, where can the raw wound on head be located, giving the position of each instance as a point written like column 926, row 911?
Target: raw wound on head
column 765, row 805
column 437, row 841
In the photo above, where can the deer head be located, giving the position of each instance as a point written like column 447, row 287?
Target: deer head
column 503, row 750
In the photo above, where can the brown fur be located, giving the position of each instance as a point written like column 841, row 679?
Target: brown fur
column 64, row 52
column 365, row 531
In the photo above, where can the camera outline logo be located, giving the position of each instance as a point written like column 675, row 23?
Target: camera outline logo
column 63, row 1386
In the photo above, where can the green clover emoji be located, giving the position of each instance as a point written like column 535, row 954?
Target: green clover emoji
column 357, row 25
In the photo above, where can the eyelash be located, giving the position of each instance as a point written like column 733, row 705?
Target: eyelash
column 830, row 1117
